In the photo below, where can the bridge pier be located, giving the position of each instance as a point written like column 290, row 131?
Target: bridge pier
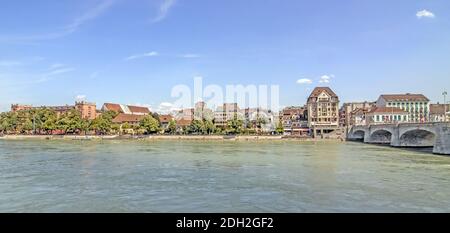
column 442, row 144
column 395, row 140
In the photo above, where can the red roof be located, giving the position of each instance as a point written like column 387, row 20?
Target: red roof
column 318, row 90
column 165, row 118
column 184, row 122
column 387, row 110
column 405, row 97
column 130, row 118
column 113, row 107
column 137, row 109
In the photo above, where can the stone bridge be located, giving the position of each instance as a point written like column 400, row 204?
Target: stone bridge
column 436, row 135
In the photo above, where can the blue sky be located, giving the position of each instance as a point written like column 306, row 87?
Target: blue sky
column 135, row 51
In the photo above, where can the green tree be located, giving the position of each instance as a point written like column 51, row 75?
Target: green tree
column 196, row 127
column 280, row 128
column 209, row 126
column 149, row 124
column 235, row 126
column 172, row 127
column 70, row 122
column 103, row 124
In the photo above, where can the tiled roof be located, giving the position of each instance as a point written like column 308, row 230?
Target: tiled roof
column 113, row 107
column 165, row 118
column 387, row 110
column 439, row 108
column 137, row 109
column 183, row 122
column 405, row 97
column 318, row 90
column 122, row 118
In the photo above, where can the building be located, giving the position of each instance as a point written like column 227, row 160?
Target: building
column 87, row 110
column 387, row 115
column 439, row 112
column 226, row 113
column 416, row 105
column 323, row 111
column 202, row 112
column 165, row 120
column 359, row 116
column 20, row 107
column 126, row 109
column 260, row 119
column 294, row 120
column 347, row 111
column 130, row 119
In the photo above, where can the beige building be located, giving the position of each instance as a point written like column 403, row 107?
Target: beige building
column 387, row 115
column 323, row 111
column 439, row 112
column 350, row 113
column 416, row 105
column 226, row 113
column 87, row 110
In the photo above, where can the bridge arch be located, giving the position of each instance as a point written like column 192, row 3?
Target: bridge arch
column 381, row 136
column 418, row 138
column 358, row 135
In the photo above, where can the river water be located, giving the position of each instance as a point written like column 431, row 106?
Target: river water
column 191, row 176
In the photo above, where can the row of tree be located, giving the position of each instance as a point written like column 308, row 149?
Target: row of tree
column 47, row 121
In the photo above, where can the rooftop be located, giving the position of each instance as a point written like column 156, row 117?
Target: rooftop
column 404, row 97
column 389, row 110
column 122, row 117
column 318, row 90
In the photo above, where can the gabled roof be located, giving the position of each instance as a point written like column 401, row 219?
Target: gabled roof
column 137, row 109
column 389, row 110
column 404, row 97
column 183, row 122
column 318, row 90
column 165, row 118
column 122, row 118
column 113, row 107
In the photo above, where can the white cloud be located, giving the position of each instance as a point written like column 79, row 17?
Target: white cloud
column 166, row 107
column 425, row 14
column 189, row 55
column 326, row 78
column 89, row 15
column 54, row 70
column 137, row 56
column 164, row 9
column 304, row 81
column 80, row 97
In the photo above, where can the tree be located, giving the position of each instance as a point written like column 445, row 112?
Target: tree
column 149, row 124
column 125, row 127
column 280, row 128
column 209, row 126
column 103, row 124
column 197, row 127
column 235, row 125
column 85, row 125
column 70, row 122
column 47, row 120
column 172, row 127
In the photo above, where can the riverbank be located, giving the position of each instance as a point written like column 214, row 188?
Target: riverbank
column 163, row 137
